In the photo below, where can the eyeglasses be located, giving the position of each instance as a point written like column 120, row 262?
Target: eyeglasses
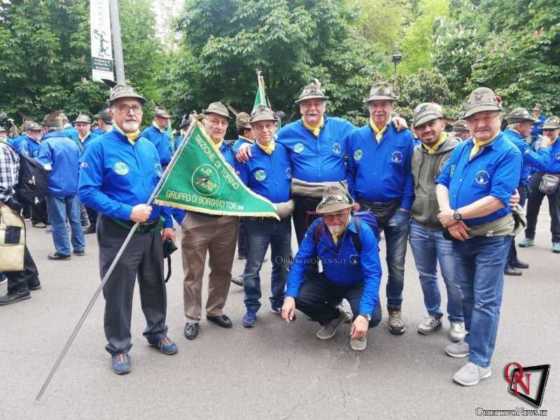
column 126, row 109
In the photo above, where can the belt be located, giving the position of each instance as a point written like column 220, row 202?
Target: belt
column 142, row 227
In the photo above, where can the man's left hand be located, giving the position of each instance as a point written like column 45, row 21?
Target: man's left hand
column 400, row 123
column 360, row 327
column 168, row 233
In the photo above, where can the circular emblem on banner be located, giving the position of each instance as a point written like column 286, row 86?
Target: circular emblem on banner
column 298, row 148
column 358, row 154
column 336, row 149
column 120, row 168
column 206, row 180
column 396, row 157
column 482, row 177
column 260, row 175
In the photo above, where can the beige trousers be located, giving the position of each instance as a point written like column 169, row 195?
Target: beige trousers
column 216, row 236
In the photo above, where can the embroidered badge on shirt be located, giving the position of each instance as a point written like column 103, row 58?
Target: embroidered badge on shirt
column 482, row 177
column 336, row 149
column 260, row 175
column 358, row 154
column 396, row 157
column 120, row 168
column 298, row 148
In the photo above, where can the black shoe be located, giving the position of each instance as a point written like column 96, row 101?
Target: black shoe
column 80, row 253
column 520, row 264
column 14, row 297
column 34, row 286
column 221, row 320
column 512, row 271
column 237, row 280
column 57, row 256
column 191, row 330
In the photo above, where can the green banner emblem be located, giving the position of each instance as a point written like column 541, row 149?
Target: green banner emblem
column 199, row 179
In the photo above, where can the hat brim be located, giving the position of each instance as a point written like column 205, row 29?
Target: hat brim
column 426, row 118
column 517, row 120
column 137, row 97
column 206, row 112
column 481, row 108
column 307, row 98
column 333, row 208
column 379, row 98
column 259, row 119
column 551, row 127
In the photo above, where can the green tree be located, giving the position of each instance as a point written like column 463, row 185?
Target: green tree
column 290, row 41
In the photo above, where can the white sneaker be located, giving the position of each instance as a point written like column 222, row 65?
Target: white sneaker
column 457, row 331
column 327, row 331
column 358, row 344
column 430, row 325
column 471, row 374
column 457, row 350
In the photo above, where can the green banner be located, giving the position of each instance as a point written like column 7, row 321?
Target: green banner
column 199, row 179
column 260, row 96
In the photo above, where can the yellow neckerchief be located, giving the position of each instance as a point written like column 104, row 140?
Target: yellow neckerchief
column 378, row 132
column 315, row 129
column 434, row 148
column 478, row 145
column 132, row 137
column 161, row 130
column 268, row 148
column 218, row 145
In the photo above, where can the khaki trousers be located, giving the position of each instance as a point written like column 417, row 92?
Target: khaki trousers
column 216, row 236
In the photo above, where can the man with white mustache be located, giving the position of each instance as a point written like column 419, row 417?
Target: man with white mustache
column 118, row 173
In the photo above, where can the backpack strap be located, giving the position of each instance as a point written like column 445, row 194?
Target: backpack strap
column 356, row 238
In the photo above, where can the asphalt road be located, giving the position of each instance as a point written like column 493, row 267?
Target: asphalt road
column 274, row 371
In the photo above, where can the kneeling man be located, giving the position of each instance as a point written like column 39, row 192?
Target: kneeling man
column 347, row 251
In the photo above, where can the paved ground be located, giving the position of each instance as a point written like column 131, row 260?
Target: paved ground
column 275, row 371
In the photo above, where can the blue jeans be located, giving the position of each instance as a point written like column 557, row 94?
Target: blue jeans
column 62, row 209
column 479, row 272
column 396, row 233
column 260, row 233
column 430, row 247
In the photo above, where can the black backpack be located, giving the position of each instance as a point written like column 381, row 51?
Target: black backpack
column 33, row 181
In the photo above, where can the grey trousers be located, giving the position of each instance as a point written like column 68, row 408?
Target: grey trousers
column 143, row 257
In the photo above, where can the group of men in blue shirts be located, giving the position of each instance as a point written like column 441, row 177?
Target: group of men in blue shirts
column 318, row 170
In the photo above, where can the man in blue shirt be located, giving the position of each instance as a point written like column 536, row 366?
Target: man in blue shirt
column 157, row 134
column 268, row 174
column 60, row 156
column 473, row 192
column 381, row 181
column 538, row 121
column 348, row 253
column 518, row 132
column 104, row 122
column 546, row 161
column 118, row 174
column 82, row 138
column 28, row 145
column 213, row 235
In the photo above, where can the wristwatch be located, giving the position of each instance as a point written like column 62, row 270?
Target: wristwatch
column 457, row 216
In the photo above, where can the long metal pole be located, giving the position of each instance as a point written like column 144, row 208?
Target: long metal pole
column 117, row 40
column 107, row 275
